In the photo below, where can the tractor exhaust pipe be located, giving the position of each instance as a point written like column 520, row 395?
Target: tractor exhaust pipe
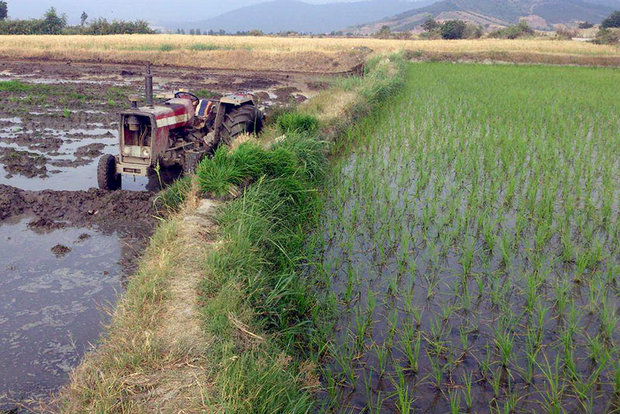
column 148, row 85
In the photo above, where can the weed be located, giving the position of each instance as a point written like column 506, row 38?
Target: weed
column 296, row 122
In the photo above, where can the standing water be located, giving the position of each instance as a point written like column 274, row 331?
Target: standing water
column 54, row 287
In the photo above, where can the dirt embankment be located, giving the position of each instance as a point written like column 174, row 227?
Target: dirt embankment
column 124, row 211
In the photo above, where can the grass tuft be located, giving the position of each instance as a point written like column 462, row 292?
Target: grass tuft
column 294, row 122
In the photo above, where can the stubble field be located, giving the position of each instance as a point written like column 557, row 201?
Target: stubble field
column 295, row 54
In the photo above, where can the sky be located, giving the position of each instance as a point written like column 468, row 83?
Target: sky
column 154, row 11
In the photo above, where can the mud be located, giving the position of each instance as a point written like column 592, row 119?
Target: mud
column 90, row 151
column 89, row 83
column 26, row 163
column 60, row 250
column 123, row 211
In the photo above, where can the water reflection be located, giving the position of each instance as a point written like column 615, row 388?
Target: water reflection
column 51, row 303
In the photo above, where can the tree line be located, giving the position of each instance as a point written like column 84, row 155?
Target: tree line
column 54, row 24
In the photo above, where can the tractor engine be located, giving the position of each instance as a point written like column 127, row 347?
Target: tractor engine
column 153, row 131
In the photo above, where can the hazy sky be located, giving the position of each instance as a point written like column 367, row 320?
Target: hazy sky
column 151, row 10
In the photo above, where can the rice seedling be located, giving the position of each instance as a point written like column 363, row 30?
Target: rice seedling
column 484, row 223
column 404, row 403
column 455, row 401
column 467, row 387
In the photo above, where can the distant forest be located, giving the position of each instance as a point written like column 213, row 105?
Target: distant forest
column 53, row 23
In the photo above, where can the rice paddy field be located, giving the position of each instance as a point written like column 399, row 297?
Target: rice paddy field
column 470, row 245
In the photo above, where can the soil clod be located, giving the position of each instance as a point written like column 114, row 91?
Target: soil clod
column 60, row 250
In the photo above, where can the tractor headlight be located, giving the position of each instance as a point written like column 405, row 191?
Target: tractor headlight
column 146, row 152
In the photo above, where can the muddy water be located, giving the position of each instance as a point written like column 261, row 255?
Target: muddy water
column 52, row 303
column 58, row 277
column 70, row 162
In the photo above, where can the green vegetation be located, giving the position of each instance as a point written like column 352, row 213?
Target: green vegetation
column 171, row 199
column 18, row 86
column 612, row 21
column 206, row 94
column 469, row 241
column 513, row 32
column 53, row 23
column 451, row 29
column 609, row 31
column 256, row 275
column 207, row 46
column 165, row 47
column 3, row 10
column 607, row 36
column 296, row 122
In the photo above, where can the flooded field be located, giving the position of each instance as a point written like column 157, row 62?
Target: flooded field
column 54, row 288
column 470, row 245
column 68, row 248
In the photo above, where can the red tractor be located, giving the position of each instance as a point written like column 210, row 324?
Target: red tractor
column 176, row 132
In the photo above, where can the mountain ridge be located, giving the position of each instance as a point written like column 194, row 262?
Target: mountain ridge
column 298, row 16
column 541, row 14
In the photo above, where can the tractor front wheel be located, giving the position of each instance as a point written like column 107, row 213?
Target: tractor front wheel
column 246, row 119
column 107, row 177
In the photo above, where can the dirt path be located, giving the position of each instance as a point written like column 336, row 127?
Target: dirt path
column 172, row 347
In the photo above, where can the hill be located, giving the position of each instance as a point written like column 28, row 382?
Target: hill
column 541, row 14
column 292, row 15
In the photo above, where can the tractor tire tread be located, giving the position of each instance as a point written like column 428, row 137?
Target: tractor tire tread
column 246, row 118
column 107, row 177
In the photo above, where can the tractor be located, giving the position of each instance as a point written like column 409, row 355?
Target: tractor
column 178, row 131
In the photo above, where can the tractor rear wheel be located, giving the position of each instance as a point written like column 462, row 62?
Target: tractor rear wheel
column 107, row 177
column 246, row 119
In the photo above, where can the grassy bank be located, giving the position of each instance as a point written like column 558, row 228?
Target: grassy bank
column 323, row 55
column 222, row 315
column 470, row 244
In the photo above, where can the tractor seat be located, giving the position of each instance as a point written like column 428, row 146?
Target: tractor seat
column 204, row 108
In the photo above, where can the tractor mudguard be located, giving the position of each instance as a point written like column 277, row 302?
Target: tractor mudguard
column 237, row 99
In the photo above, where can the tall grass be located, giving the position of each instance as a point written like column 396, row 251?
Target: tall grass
column 256, row 300
column 487, row 196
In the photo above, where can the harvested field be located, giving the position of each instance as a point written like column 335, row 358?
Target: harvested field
column 318, row 55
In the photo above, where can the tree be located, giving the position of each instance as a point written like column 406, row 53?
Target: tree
column 385, row 32
column 606, row 36
column 585, row 25
column 453, row 29
column 612, row 21
column 83, row 18
column 430, row 24
column 53, row 23
column 473, row 31
column 4, row 10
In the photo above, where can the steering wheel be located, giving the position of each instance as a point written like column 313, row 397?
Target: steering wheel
column 187, row 95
